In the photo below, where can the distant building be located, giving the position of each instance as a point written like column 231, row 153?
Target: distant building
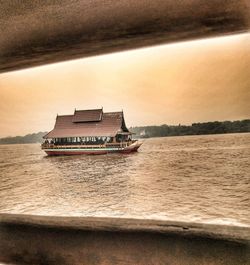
column 142, row 133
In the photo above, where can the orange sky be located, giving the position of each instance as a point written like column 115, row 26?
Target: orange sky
column 194, row 81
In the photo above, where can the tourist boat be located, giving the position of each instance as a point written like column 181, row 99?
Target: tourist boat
column 90, row 132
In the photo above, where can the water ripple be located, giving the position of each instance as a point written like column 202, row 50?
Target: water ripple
column 195, row 178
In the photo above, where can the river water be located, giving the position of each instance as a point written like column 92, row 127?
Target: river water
column 191, row 178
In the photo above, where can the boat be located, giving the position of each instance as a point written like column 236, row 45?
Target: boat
column 90, row 131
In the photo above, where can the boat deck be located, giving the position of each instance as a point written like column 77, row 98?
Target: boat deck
column 87, row 146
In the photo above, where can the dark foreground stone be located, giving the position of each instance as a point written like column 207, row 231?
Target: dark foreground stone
column 39, row 32
column 78, row 240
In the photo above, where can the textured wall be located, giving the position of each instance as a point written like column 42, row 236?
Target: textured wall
column 59, row 240
column 38, row 32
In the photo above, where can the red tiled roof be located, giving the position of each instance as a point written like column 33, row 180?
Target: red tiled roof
column 110, row 124
column 87, row 115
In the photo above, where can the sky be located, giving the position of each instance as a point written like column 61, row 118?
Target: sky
column 180, row 83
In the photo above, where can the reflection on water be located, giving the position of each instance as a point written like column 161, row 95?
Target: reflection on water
column 191, row 178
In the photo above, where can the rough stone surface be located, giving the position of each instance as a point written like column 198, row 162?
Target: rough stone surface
column 39, row 32
column 79, row 240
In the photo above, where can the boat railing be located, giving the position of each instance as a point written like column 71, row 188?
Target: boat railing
column 57, row 146
column 73, row 146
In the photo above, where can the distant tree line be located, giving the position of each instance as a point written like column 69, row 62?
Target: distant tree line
column 27, row 139
column 215, row 127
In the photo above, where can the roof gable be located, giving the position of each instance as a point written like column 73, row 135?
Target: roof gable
column 87, row 115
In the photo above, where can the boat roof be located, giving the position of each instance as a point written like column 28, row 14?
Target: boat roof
column 85, row 123
column 87, row 115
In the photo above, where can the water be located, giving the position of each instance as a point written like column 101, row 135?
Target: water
column 192, row 178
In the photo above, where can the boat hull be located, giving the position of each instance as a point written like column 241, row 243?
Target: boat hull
column 92, row 151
